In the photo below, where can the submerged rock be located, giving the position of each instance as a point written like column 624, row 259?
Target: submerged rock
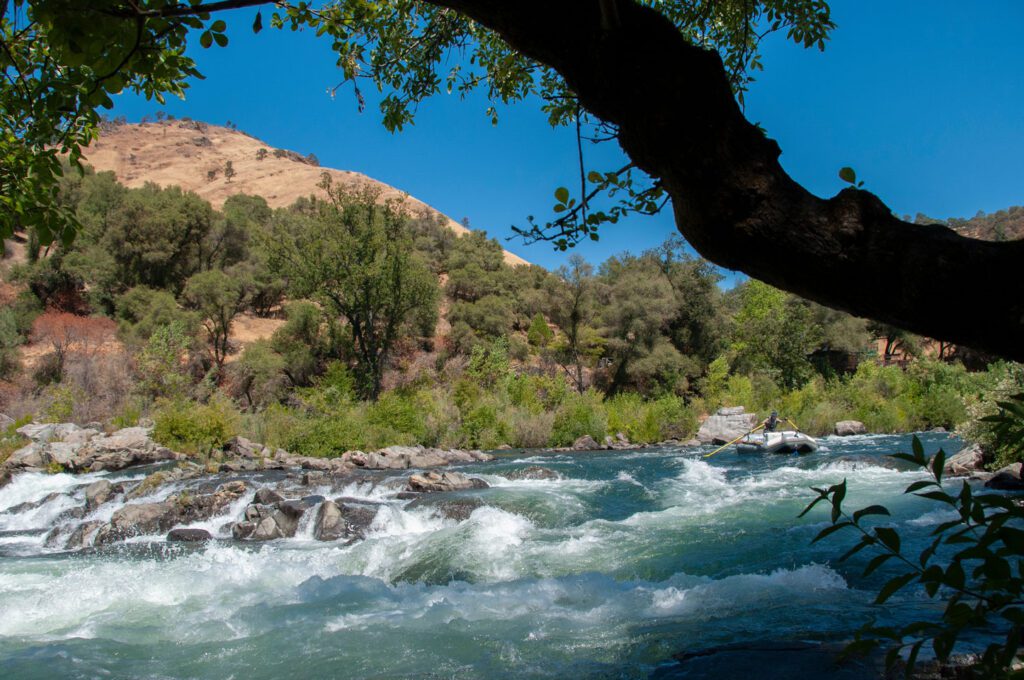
column 848, row 428
column 458, row 509
column 532, row 472
column 430, row 482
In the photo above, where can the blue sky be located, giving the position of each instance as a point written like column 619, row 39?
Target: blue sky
column 923, row 99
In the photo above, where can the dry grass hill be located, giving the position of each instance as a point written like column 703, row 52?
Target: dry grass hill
column 193, row 155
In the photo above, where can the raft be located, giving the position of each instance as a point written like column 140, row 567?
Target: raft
column 786, row 441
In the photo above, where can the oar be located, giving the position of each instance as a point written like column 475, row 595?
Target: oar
column 708, row 455
column 795, row 426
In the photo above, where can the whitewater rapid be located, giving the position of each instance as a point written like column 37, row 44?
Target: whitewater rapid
column 626, row 559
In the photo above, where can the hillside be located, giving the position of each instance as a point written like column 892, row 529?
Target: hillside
column 193, row 155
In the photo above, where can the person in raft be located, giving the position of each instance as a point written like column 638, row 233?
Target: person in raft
column 770, row 423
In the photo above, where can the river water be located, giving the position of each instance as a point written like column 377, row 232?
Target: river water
column 628, row 559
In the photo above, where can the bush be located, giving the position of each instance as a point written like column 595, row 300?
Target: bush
column 193, row 428
column 579, row 415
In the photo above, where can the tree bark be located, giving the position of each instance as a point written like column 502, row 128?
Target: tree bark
column 678, row 120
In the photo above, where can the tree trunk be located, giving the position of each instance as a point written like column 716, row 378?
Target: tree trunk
column 678, row 121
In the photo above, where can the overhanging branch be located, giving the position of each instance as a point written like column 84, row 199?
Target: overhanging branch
column 678, row 121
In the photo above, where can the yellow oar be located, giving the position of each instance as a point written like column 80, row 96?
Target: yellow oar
column 708, row 455
column 795, row 426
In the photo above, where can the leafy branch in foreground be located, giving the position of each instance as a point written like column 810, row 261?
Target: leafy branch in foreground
column 973, row 562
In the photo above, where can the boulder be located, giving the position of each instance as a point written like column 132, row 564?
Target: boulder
column 428, row 458
column 98, row 493
column 245, row 448
column 430, row 482
column 848, row 428
column 719, row 429
column 336, row 520
column 31, row 456
column 967, row 461
column 242, row 530
column 40, row 433
column 5, row 421
column 585, row 443
column 188, row 535
column 139, row 519
column 731, row 411
column 532, row 472
column 458, row 509
column 266, row 529
column 83, row 535
column 267, row 496
column 1007, row 479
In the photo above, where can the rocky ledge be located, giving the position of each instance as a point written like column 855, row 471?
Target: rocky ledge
column 70, row 448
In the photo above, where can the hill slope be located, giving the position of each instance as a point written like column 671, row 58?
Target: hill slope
column 186, row 152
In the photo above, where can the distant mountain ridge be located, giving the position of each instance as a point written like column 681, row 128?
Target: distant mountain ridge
column 193, row 155
column 1002, row 225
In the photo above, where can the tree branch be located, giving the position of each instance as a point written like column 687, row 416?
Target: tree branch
column 679, row 121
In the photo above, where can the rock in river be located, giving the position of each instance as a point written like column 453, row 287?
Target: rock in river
column 444, row 481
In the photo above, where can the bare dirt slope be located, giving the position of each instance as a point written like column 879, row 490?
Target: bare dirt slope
column 184, row 152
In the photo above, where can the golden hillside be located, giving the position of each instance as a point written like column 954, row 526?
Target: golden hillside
column 186, row 152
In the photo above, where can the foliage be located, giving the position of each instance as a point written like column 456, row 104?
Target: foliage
column 160, row 364
column 194, row 428
column 580, row 414
column 973, row 565
column 355, row 256
column 217, row 297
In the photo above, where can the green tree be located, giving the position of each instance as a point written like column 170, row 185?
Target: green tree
column 217, row 297
column 540, row 334
column 573, row 308
column 355, row 256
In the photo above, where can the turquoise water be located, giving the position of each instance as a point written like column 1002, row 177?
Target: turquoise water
column 630, row 558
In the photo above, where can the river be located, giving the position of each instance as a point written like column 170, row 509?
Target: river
column 629, row 558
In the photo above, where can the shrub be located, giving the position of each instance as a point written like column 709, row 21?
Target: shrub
column 531, row 430
column 579, row 415
column 195, row 428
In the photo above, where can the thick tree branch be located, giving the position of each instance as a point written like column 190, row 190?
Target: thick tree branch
column 678, row 121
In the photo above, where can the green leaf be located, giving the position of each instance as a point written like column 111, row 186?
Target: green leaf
column 257, row 23
column 206, row 39
column 847, row 175
column 220, row 39
column 917, row 486
column 562, row 195
column 893, row 585
column 595, row 177
column 218, row 26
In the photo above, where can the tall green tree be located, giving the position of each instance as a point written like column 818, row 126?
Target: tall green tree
column 355, row 256
column 217, row 297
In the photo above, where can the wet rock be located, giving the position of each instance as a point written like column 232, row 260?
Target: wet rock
column 848, row 428
column 239, row 465
column 428, row 458
column 1007, row 479
column 342, row 521
column 266, row 530
column 30, row 456
column 408, row 495
column 532, row 472
column 967, row 461
column 267, row 496
column 31, row 505
column 242, row 530
column 458, row 509
column 585, row 443
column 98, row 493
column 188, row 535
column 138, row 519
column 431, row 482
column 721, row 428
column 83, row 535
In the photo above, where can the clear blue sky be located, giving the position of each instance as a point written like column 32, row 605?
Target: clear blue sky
column 923, row 99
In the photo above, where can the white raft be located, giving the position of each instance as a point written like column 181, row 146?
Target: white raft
column 785, row 441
